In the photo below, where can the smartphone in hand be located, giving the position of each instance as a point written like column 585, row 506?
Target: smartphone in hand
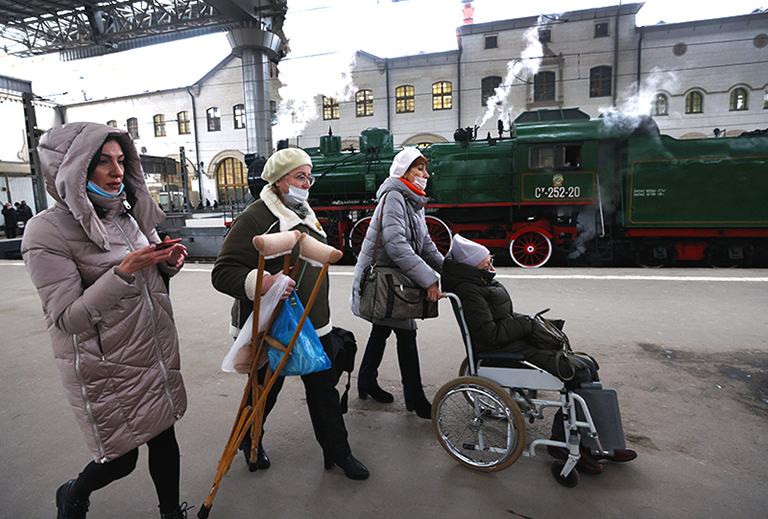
column 166, row 244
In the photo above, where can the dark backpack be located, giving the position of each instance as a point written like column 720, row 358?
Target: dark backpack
column 343, row 349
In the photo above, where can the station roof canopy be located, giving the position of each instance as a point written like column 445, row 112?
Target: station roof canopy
column 85, row 28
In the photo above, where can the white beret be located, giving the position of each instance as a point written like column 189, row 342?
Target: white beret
column 403, row 161
column 283, row 162
column 467, row 252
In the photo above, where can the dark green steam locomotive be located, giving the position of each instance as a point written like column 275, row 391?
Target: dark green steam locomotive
column 561, row 188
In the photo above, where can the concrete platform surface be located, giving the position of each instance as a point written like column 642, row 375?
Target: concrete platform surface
column 687, row 351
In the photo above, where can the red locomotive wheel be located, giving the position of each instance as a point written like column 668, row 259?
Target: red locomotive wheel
column 440, row 234
column 530, row 250
column 357, row 235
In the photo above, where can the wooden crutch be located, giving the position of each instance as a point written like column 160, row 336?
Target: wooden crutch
column 269, row 246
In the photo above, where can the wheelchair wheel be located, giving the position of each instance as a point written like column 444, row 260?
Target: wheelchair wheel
column 478, row 424
column 570, row 481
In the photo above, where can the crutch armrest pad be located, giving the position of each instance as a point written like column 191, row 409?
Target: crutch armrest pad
column 276, row 244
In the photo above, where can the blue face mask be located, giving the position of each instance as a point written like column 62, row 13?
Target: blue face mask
column 93, row 188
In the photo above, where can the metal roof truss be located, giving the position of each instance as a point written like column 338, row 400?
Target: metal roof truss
column 80, row 29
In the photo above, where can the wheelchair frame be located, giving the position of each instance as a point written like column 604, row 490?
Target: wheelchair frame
column 479, row 417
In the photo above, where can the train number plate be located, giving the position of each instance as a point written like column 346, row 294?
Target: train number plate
column 567, row 186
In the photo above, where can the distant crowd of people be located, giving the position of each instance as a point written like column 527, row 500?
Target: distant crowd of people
column 16, row 217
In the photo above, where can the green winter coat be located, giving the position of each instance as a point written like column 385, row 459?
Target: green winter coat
column 234, row 272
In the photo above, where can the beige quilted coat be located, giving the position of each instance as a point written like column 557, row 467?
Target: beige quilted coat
column 113, row 336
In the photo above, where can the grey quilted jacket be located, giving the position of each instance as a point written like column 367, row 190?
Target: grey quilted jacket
column 113, row 335
column 404, row 242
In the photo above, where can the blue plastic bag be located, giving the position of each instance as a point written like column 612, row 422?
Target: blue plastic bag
column 308, row 355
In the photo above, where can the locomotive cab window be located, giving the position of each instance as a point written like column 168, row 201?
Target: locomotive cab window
column 555, row 157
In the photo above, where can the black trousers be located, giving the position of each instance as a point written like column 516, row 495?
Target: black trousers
column 323, row 405
column 586, row 374
column 407, row 358
column 164, row 468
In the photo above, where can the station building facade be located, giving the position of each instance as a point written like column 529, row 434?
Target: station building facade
column 697, row 79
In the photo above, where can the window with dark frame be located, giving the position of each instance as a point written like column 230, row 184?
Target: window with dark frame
column 442, row 95
column 694, row 103
column 600, row 81
column 545, row 35
column 330, row 108
column 159, row 123
column 112, row 123
column 132, row 125
column 544, row 86
column 213, row 116
column 738, row 100
column 488, row 86
column 492, row 42
column 601, row 29
column 364, row 103
column 239, row 115
column 555, row 157
column 661, row 105
column 273, row 111
column 182, row 119
column 232, row 181
column 405, row 100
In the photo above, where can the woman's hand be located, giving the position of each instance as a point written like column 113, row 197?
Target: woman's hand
column 269, row 280
column 149, row 255
column 433, row 293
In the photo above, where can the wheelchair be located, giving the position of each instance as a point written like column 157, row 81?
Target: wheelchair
column 479, row 418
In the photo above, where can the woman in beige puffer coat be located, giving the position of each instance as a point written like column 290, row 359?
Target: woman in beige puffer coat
column 100, row 276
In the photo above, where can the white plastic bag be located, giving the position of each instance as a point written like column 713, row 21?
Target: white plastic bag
column 269, row 302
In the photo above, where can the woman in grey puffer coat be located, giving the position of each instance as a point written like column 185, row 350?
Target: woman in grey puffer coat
column 94, row 259
column 404, row 242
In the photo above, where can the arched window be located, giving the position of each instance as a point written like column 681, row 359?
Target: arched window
column 442, row 95
column 660, row 105
column 133, row 127
column 694, row 103
column 364, row 103
column 738, row 99
column 544, row 86
column 159, row 123
column 112, row 123
column 213, row 115
column 239, row 113
column 600, row 81
column 488, row 86
column 330, row 108
column 405, row 99
column 232, row 181
column 182, row 119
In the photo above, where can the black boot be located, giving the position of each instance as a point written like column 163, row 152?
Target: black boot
column 352, row 467
column 179, row 513
column 262, row 460
column 69, row 508
column 422, row 406
column 376, row 393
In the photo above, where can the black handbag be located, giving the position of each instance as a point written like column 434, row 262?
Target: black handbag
column 387, row 293
column 548, row 334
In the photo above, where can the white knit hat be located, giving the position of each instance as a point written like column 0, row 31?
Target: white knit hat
column 403, row 161
column 467, row 252
column 283, row 162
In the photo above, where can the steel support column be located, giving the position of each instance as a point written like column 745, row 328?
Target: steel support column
column 255, row 46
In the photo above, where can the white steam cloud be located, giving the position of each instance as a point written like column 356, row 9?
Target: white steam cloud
column 519, row 70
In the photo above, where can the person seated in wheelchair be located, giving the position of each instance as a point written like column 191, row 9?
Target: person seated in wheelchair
column 494, row 326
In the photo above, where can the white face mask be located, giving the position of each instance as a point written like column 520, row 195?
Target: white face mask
column 296, row 196
column 420, row 182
